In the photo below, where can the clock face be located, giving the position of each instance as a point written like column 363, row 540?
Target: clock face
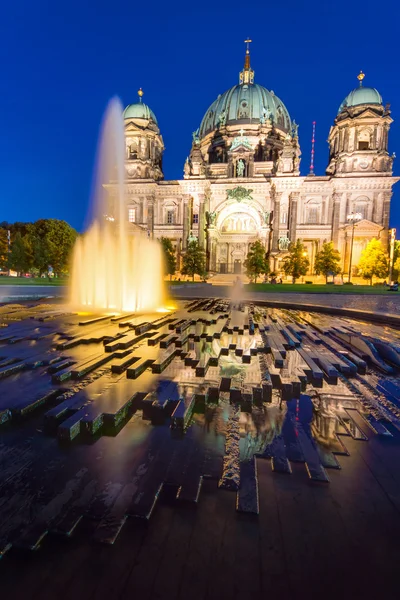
column 363, row 164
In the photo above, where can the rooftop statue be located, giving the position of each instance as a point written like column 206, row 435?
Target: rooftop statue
column 186, row 168
column 222, row 117
column 195, row 137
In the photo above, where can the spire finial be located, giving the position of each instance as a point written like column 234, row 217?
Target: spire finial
column 247, row 57
column 360, row 77
column 247, row 75
column 140, row 94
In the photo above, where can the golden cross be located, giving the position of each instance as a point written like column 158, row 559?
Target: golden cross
column 248, row 41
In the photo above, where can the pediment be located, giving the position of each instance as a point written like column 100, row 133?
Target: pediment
column 132, row 126
column 364, row 225
column 241, row 148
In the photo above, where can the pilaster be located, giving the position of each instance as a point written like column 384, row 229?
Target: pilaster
column 276, row 221
column 336, row 219
column 293, row 203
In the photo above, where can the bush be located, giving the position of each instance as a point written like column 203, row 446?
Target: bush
column 348, row 283
column 308, row 282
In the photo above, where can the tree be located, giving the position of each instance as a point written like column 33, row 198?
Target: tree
column 327, row 261
column 256, row 263
column 52, row 242
column 297, row 263
column 194, row 261
column 396, row 261
column 20, row 258
column 3, row 248
column 169, row 257
column 374, row 261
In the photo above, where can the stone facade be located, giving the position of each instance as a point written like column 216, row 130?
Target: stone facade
column 242, row 178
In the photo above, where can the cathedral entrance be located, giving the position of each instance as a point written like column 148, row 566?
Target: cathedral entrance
column 237, row 266
column 222, row 267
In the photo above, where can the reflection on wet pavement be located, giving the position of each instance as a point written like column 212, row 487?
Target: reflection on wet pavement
column 102, row 418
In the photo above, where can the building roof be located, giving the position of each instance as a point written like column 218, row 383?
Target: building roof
column 361, row 95
column 139, row 110
column 249, row 103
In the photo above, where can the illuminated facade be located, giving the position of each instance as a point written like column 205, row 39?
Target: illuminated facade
column 242, row 178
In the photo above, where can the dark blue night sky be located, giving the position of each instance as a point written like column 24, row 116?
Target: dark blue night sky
column 62, row 61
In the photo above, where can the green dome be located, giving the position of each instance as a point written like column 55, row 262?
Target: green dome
column 361, row 95
column 139, row 110
column 245, row 104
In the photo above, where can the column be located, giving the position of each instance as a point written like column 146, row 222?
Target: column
column 202, row 221
column 385, row 219
column 293, row 200
column 214, row 255
column 336, row 219
column 276, row 221
column 150, row 216
column 186, row 216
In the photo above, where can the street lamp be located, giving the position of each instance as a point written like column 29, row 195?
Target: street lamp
column 305, row 254
column 353, row 218
column 391, row 255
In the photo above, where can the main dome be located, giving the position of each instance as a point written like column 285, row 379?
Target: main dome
column 243, row 104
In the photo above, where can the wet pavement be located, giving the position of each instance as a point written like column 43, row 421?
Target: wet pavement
column 219, row 450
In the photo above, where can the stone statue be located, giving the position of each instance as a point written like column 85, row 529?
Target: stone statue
column 222, row 117
column 288, row 137
column 240, row 168
column 266, row 217
column 211, row 218
column 295, row 129
column 283, row 243
column 186, row 168
column 196, row 137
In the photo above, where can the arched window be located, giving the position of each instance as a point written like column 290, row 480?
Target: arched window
column 312, row 215
column 133, row 154
column 132, row 214
column 361, row 205
column 283, row 215
column 364, row 139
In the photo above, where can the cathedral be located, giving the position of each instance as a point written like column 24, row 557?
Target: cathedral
column 241, row 181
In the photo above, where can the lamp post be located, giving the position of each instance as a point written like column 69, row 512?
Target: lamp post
column 391, row 255
column 353, row 218
column 305, row 254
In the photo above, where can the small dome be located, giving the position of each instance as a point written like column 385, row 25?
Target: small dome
column 245, row 104
column 139, row 110
column 361, row 95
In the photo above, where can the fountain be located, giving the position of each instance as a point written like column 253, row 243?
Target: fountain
column 115, row 267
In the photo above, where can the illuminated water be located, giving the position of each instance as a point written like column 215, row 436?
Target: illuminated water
column 115, row 266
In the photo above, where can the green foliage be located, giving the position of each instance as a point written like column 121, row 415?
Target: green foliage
column 396, row 261
column 374, row 261
column 169, row 256
column 327, row 261
column 36, row 246
column 52, row 242
column 194, row 260
column 297, row 263
column 20, row 258
column 3, row 249
column 256, row 263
